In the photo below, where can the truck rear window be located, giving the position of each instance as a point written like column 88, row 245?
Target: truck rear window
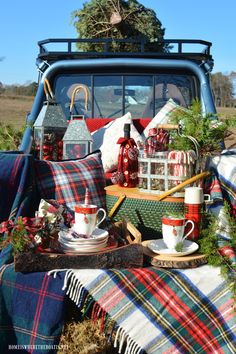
column 111, row 96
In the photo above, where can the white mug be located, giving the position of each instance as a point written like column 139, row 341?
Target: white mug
column 173, row 231
column 195, row 195
column 86, row 218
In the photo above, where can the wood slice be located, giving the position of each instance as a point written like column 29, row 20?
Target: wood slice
column 129, row 256
column 159, row 260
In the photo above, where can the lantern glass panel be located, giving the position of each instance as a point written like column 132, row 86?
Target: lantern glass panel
column 75, row 150
column 48, row 143
column 37, row 141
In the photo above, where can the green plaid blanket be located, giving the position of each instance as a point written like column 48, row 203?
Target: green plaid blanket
column 158, row 310
column 31, row 311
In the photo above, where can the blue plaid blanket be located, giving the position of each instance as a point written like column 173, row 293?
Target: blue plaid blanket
column 18, row 195
column 31, row 311
column 31, row 305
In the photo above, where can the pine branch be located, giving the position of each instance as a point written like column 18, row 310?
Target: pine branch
column 101, row 8
column 102, row 31
column 115, row 8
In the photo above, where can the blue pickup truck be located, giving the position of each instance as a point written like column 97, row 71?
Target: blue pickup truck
column 138, row 82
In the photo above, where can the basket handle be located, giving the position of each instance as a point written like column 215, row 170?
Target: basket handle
column 178, row 127
column 168, row 126
column 47, row 89
column 86, row 94
column 116, row 205
column 183, row 184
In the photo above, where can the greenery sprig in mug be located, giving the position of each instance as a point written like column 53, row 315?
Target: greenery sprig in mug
column 176, row 215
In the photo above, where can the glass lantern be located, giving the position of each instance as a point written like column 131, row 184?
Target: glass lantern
column 77, row 141
column 49, row 129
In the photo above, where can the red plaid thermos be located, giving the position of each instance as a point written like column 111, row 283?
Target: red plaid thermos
column 193, row 201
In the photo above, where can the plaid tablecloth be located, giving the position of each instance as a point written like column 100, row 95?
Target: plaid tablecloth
column 159, row 310
column 31, row 311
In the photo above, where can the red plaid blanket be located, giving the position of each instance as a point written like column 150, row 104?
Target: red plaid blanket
column 159, row 310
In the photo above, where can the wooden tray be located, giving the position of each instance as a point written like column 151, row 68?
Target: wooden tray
column 159, row 260
column 128, row 256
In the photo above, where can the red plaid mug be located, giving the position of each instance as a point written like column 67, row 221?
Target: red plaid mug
column 86, row 218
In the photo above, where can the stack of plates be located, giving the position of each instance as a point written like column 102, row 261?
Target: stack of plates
column 70, row 244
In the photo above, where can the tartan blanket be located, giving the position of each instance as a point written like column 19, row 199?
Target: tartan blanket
column 159, row 310
column 221, row 186
column 18, row 195
column 224, row 169
column 31, row 311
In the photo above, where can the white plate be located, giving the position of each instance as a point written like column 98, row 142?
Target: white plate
column 159, row 247
column 97, row 236
column 66, row 246
column 83, row 249
column 85, row 242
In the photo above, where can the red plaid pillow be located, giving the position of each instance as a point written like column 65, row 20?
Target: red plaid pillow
column 66, row 181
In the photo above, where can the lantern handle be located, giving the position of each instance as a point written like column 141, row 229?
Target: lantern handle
column 86, row 94
column 47, row 89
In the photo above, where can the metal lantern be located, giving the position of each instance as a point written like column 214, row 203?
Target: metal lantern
column 77, row 141
column 49, row 128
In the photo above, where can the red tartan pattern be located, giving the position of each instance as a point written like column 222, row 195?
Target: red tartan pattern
column 177, row 315
column 193, row 212
column 66, row 181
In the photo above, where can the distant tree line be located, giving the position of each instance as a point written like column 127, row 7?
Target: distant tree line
column 223, row 89
column 18, row 90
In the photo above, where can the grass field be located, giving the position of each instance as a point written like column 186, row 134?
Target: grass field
column 13, row 110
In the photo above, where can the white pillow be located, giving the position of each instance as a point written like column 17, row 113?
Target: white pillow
column 106, row 139
column 162, row 116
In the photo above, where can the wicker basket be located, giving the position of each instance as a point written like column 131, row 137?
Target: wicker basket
column 157, row 174
column 142, row 210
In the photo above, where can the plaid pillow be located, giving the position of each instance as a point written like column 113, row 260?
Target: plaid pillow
column 66, row 181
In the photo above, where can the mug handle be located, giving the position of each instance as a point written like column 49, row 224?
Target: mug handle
column 104, row 216
column 191, row 222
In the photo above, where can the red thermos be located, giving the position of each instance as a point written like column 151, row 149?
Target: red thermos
column 193, row 202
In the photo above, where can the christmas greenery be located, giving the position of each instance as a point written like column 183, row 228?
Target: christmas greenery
column 208, row 130
column 10, row 137
column 210, row 246
column 118, row 19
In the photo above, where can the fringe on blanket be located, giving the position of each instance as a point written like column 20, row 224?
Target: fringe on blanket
column 85, row 302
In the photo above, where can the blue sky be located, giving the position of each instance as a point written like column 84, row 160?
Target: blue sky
column 24, row 22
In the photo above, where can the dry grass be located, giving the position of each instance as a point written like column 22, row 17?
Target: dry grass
column 227, row 113
column 84, row 338
column 13, row 110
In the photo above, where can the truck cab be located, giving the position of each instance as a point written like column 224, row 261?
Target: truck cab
column 138, row 82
